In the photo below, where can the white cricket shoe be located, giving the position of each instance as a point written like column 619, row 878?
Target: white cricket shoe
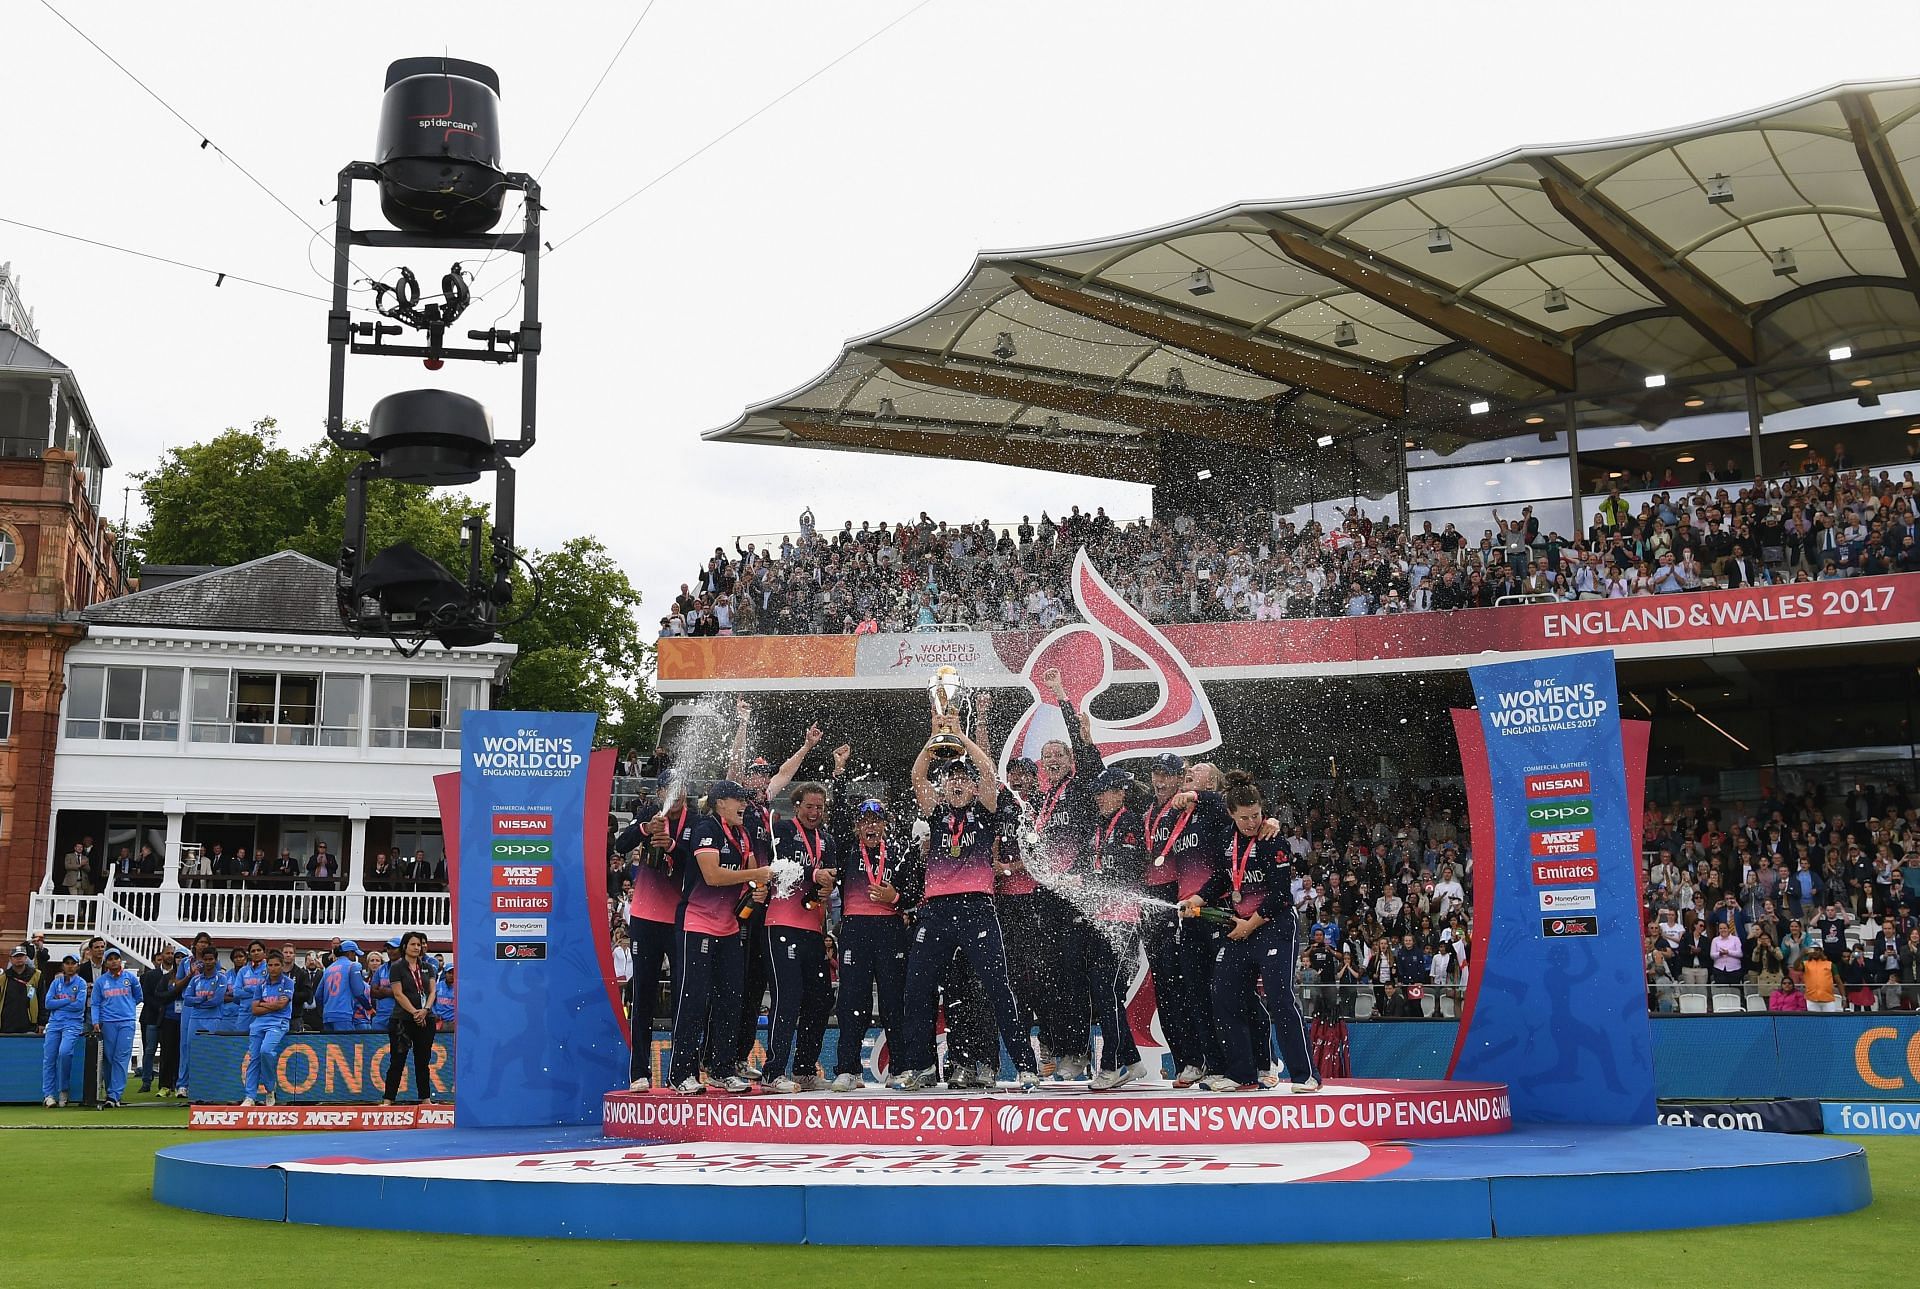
column 847, row 1083
column 735, row 1084
column 813, row 1083
column 1188, row 1076
column 1217, row 1083
column 248, row 1101
column 1307, row 1085
column 48, row 1103
column 783, row 1083
column 1027, row 1081
column 913, row 1081
column 271, row 1100
column 691, row 1086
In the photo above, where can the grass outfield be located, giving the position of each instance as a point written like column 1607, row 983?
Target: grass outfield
column 103, row 1163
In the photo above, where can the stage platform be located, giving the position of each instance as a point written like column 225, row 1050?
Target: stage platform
column 1070, row 1114
column 578, row 1183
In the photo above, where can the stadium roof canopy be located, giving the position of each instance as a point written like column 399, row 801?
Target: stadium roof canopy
column 1740, row 245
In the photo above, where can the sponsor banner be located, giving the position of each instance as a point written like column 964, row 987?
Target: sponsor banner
column 1345, row 1111
column 1575, row 899
column 713, row 1163
column 1868, row 607
column 922, row 653
column 523, row 901
column 1563, row 784
column 1559, row 814
column 521, row 851
column 319, row 1118
column 523, row 825
column 1556, row 989
column 521, row 951
column 1566, row 870
column 20, row 1060
column 326, row 1068
column 1563, row 841
column 1872, row 1120
column 1841, row 1057
column 543, row 1032
column 1796, row 1115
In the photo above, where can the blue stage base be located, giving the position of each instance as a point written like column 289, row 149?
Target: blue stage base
column 572, row 1182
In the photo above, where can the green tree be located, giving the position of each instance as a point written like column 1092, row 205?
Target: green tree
column 243, row 494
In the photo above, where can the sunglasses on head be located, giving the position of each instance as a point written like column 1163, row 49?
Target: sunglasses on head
column 873, row 808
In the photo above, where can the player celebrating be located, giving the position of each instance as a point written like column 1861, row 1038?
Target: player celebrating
column 958, row 913
column 796, row 948
column 880, row 880
column 712, row 958
column 1258, row 944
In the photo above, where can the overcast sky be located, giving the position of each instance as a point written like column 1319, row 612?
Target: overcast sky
column 856, row 202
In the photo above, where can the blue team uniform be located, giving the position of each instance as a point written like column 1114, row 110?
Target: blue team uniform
column 343, row 995
column 382, row 1007
column 66, row 1016
column 239, row 1015
column 233, row 1008
column 443, row 1000
column 115, row 1008
column 265, row 1033
column 199, row 1012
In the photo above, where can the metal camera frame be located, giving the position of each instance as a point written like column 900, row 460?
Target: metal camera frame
column 488, row 589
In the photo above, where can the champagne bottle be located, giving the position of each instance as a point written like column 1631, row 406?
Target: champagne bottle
column 744, row 909
column 1213, row 913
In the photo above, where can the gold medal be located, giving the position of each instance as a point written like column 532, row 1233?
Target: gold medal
column 953, row 849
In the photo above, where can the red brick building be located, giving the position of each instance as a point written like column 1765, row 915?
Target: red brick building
column 56, row 558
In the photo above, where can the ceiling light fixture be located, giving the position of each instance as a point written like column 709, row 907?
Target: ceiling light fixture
column 1685, row 458
column 1719, row 190
column 1536, row 419
column 1344, row 335
column 1615, row 474
column 1784, row 264
column 1324, row 441
column 1798, row 445
column 1204, row 475
column 1695, row 401
column 1913, row 429
column 1655, row 381
column 1200, row 283
column 1556, row 301
column 1862, row 382
column 1439, row 239
column 1480, row 407
column 1839, row 353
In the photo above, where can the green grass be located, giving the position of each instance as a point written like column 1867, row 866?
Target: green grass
column 118, row 1234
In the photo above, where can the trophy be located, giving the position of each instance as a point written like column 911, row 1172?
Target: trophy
column 952, row 704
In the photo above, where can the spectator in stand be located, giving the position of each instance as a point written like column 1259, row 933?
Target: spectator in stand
column 323, row 870
column 1817, row 982
column 1726, row 956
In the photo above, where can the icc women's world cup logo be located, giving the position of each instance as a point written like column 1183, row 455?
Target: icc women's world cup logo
column 1110, row 638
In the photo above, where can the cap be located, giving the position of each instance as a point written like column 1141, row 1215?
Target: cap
column 759, row 765
column 727, row 789
column 1023, row 763
column 959, row 767
column 1112, row 779
column 664, row 780
column 394, row 943
column 111, row 952
column 348, row 946
column 69, row 958
column 1169, row 763
column 20, row 951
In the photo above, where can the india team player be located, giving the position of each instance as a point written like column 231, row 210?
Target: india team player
column 796, row 947
column 658, row 871
column 115, row 1009
column 271, row 1006
column 712, row 956
column 1256, row 884
column 65, row 1012
column 958, row 915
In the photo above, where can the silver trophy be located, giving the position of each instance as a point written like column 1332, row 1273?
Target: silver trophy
column 952, row 703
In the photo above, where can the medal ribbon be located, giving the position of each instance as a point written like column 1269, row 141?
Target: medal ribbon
column 1238, row 860
column 1101, row 838
column 954, row 834
column 1153, row 825
column 876, row 873
column 811, row 846
column 1053, row 799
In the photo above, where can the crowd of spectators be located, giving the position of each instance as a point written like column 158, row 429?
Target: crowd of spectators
column 1804, row 903
column 1829, row 521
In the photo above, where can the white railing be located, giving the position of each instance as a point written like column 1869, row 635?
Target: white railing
column 64, row 914
column 240, row 907
column 238, row 914
column 407, row 911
